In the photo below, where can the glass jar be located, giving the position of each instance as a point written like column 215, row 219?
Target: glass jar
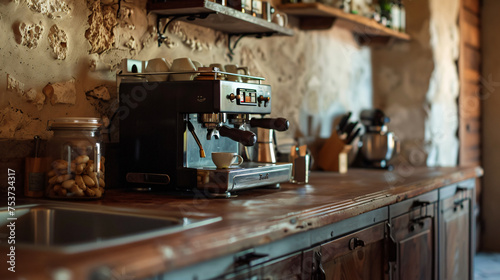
column 76, row 169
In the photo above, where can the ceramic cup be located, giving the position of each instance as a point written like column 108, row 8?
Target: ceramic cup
column 218, row 65
column 157, row 65
column 197, row 64
column 280, row 19
column 225, row 160
column 233, row 68
column 180, row 65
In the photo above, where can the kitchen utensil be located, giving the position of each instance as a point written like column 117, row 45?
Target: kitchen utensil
column 343, row 123
column 352, row 136
column 348, row 130
column 336, row 155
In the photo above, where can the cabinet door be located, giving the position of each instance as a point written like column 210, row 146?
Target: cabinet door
column 456, row 236
column 414, row 235
column 285, row 268
column 360, row 255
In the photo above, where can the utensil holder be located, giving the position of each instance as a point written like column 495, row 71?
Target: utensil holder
column 334, row 155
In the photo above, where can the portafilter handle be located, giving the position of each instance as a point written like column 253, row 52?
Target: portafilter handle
column 279, row 124
column 245, row 137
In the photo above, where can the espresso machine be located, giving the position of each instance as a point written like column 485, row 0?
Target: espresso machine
column 168, row 131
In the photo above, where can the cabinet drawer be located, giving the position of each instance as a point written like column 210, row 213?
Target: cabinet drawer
column 414, row 204
column 351, row 242
column 285, row 268
column 357, row 256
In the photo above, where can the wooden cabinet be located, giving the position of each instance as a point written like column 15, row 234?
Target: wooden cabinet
column 285, row 268
column 412, row 238
column 456, row 235
column 429, row 237
column 360, row 255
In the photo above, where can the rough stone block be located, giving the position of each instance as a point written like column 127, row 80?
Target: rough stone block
column 61, row 93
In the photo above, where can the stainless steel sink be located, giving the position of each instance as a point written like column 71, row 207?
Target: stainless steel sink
column 74, row 228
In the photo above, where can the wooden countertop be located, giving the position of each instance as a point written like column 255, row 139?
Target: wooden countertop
column 255, row 217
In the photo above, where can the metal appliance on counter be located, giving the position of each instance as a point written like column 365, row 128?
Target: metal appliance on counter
column 379, row 145
column 265, row 128
column 169, row 130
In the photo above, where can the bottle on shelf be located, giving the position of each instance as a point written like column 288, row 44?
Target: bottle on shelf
column 395, row 16
column 235, row 4
column 402, row 15
column 385, row 12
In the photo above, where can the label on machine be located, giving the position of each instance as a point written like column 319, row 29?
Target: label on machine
column 247, row 97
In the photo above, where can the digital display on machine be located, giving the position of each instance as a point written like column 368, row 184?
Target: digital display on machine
column 247, row 97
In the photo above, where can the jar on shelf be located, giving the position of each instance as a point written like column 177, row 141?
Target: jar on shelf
column 76, row 168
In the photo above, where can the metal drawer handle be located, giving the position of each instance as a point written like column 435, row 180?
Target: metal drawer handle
column 319, row 273
column 251, row 259
column 355, row 243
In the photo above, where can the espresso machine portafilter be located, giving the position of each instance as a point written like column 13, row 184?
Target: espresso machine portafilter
column 265, row 129
column 168, row 131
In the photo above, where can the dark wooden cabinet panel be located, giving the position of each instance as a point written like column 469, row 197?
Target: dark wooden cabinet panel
column 456, row 235
column 414, row 237
column 456, row 254
column 288, row 268
column 285, row 268
column 413, row 234
column 469, row 69
column 360, row 255
column 428, row 237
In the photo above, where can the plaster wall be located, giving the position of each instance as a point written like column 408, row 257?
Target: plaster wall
column 416, row 84
column 316, row 75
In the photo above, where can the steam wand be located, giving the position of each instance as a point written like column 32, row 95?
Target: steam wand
column 191, row 129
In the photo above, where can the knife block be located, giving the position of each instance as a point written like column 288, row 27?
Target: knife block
column 334, row 155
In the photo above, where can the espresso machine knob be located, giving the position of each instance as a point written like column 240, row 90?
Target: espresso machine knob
column 245, row 137
column 232, row 97
column 279, row 124
column 261, row 99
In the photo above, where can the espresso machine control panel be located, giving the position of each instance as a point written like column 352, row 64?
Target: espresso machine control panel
column 242, row 97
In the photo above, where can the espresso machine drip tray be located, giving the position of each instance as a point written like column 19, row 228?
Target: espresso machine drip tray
column 221, row 182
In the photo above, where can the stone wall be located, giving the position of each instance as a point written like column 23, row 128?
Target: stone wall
column 417, row 84
column 77, row 47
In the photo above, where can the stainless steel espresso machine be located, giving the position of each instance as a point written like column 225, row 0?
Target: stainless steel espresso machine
column 168, row 131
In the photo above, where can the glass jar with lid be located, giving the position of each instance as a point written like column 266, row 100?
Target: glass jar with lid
column 76, row 168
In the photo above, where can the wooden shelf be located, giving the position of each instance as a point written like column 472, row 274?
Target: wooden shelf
column 316, row 16
column 218, row 17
